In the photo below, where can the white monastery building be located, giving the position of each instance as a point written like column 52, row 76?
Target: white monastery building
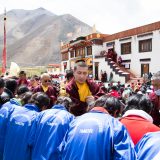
column 139, row 49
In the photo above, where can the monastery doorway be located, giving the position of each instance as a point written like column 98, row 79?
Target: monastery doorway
column 144, row 69
column 96, row 70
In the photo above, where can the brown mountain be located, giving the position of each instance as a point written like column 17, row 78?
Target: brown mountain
column 33, row 37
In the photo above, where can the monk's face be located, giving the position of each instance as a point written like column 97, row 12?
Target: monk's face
column 46, row 81
column 81, row 74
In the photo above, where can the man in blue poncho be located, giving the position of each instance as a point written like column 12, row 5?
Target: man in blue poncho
column 148, row 146
column 5, row 113
column 16, row 143
column 6, row 110
column 97, row 135
column 52, row 124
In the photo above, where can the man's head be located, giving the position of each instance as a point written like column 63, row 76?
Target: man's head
column 45, row 79
column 65, row 101
column 145, row 104
column 111, row 104
column 12, row 85
column 69, row 75
column 26, row 97
column 2, row 84
column 133, row 102
column 40, row 99
column 22, row 75
column 139, row 102
column 80, row 72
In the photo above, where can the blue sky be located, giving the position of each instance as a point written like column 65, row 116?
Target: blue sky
column 109, row 16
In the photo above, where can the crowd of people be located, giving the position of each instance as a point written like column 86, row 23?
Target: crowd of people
column 78, row 119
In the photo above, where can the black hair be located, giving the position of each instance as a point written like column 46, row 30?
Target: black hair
column 133, row 102
column 100, row 102
column 114, row 87
column 22, row 89
column 40, row 99
column 26, row 97
column 11, row 84
column 113, row 105
column 145, row 104
column 69, row 74
column 2, row 83
column 80, row 60
column 65, row 101
column 80, row 64
column 22, row 72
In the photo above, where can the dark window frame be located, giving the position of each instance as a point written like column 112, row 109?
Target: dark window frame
column 72, row 54
column 64, row 56
column 126, row 48
column 89, row 50
column 77, row 52
column 145, row 45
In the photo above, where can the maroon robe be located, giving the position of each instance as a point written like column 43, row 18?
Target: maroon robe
column 22, row 82
column 51, row 93
column 81, row 107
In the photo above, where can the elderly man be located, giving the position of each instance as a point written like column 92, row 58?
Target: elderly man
column 45, row 86
column 81, row 90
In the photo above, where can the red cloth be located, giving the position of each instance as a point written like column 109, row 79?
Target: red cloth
column 101, row 109
column 22, row 82
column 4, row 55
column 114, row 93
column 138, row 126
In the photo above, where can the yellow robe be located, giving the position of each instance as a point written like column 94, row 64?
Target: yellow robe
column 83, row 91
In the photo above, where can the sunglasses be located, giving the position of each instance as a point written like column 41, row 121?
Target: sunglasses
column 47, row 81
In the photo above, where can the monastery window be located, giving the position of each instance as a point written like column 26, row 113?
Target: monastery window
column 83, row 52
column 72, row 54
column 126, row 48
column 77, row 53
column 64, row 56
column 145, row 45
column 110, row 44
column 89, row 50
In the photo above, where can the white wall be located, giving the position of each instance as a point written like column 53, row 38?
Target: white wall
column 135, row 56
column 96, row 49
column 103, row 65
column 155, row 60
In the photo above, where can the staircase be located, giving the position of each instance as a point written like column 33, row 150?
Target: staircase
column 121, row 71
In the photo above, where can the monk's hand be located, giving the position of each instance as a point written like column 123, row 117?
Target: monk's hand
column 89, row 99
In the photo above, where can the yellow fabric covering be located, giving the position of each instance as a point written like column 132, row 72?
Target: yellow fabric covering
column 83, row 91
column 63, row 90
column 45, row 88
